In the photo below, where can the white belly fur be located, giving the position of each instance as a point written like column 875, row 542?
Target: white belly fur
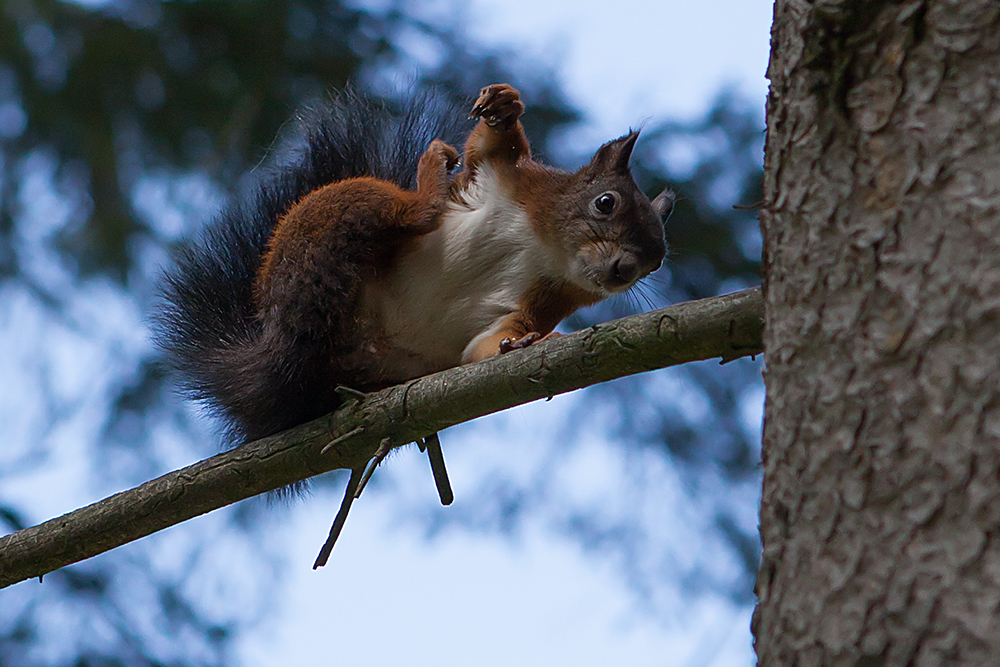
column 458, row 281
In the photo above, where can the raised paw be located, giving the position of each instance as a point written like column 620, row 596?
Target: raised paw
column 440, row 152
column 499, row 105
column 509, row 345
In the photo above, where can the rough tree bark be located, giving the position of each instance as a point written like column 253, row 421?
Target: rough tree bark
column 881, row 500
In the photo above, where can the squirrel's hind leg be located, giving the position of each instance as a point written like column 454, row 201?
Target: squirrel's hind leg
column 433, row 169
column 433, row 187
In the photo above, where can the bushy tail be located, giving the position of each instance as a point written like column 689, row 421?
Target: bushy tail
column 206, row 323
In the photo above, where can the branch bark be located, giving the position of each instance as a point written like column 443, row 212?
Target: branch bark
column 728, row 327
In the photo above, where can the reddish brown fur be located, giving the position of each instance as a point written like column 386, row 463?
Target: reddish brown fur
column 389, row 215
column 361, row 225
column 535, row 187
column 348, row 294
column 539, row 190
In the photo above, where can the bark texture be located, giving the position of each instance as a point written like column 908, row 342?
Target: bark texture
column 727, row 326
column 881, row 499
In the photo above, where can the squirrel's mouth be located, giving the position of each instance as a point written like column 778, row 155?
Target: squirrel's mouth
column 609, row 268
column 620, row 272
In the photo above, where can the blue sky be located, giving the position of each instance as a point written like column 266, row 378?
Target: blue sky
column 627, row 60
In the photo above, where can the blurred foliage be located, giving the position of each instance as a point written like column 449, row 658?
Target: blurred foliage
column 128, row 86
column 95, row 104
column 102, row 105
column 713, row 232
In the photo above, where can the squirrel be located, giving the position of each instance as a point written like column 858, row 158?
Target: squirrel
column 372, row 259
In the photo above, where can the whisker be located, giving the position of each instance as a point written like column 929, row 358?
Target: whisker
column 684, row 252
column 620, row 304
column 658, row 290
column 646, row 298
column 640, row 294
column 629, row 302
column 629, row 295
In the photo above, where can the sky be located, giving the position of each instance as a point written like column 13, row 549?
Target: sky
column 629, row 60
column 391, row 596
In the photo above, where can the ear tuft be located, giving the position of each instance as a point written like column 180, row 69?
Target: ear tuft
column 614, row 155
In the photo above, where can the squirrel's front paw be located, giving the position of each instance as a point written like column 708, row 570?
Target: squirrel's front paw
column 499, row 105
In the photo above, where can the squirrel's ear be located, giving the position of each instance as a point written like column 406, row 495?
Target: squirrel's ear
column 614, row 155
column 663, row 205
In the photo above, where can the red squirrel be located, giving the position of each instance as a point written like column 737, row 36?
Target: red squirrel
column 338, row 273
column 466, row 268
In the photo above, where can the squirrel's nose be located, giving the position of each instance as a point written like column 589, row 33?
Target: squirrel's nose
column 624, row 270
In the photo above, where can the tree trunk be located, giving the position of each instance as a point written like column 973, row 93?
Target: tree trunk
column 881, row 499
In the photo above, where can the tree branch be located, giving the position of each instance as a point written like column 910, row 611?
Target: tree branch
column 728, row 327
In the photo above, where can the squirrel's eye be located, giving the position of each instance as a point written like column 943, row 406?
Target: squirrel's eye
column 605, row 203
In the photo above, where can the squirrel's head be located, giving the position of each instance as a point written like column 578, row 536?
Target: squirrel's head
column 613, row 233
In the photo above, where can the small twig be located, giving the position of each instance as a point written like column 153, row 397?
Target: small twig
column 350, row 395
column 340, row 438
column 433, row 444
column 383, row 450
column 338, row 522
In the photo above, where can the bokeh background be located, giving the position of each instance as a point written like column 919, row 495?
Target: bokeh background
column 612, row 526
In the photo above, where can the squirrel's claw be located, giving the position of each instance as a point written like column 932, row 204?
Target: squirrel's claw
column 510, row 344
